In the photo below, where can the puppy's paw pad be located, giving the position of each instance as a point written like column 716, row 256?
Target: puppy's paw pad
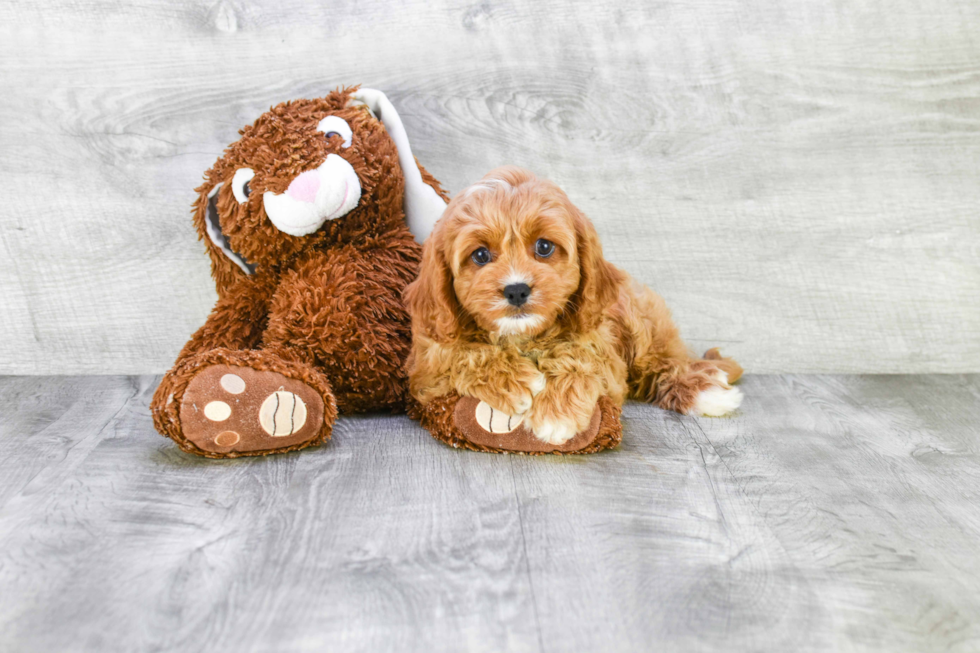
column 496, row 421
column 717, row 401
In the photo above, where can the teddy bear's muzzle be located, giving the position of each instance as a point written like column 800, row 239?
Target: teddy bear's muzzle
column 326, row 193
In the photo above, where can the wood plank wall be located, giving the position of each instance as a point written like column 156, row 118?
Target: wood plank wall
column 798, row 179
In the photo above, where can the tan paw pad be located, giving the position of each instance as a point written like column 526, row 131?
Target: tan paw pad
column 495, row 421
column 217, row 411
column 282, row 413
column 233, row 383
column 227, row 438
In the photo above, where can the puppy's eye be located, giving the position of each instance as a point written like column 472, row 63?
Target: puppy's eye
column 240, row 184
column 544, row 248
column 481, row 256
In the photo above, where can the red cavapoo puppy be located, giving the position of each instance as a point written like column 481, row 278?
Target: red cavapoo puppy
column 515, row 306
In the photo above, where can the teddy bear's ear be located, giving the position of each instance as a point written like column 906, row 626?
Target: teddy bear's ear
column 212, row 226
column 423, row 205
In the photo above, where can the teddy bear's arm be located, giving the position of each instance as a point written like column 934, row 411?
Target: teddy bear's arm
column 236, row 322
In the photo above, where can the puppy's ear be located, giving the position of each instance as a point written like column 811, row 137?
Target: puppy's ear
column 430, row 299
column 600, row 280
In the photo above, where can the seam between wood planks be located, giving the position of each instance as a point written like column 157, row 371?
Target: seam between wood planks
column 527, row 562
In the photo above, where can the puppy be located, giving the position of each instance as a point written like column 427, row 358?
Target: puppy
column 516, row 306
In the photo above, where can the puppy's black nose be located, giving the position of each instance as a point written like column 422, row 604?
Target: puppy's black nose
column 517, row 293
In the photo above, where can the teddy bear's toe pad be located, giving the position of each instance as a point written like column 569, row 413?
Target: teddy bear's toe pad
column 495, row 421
column 227, row 409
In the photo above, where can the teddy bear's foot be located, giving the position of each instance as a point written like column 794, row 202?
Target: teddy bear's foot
column 229, row 409
column 224, row 404
column 470, row 423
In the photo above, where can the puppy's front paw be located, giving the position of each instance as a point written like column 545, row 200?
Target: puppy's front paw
column 503, row 393
column 536, row 382
column 508, row 387
column 563, row 408
column 557, row 431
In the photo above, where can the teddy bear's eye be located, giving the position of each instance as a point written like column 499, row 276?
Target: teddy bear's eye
column 240, row 186
column 335, row 125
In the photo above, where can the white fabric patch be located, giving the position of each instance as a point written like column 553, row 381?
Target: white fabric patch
column 232, row 383
column 338, row 194
column 212, row 226
column 217, row 411
column 423, row 206
column 338, row 125
column 282, row 413
column 496, row 421
column 242, row 176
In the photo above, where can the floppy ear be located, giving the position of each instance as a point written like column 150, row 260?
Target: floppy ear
column 423, row 204
column 600, row 280
column 227, row 266
column 430, row 299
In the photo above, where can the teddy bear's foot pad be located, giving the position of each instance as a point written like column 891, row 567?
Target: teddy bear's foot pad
column 230, row 409
column 486, row 427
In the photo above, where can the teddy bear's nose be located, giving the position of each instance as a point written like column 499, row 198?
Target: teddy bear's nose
column 305, row 186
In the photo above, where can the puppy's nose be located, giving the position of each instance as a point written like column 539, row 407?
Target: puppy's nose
column 517, row 293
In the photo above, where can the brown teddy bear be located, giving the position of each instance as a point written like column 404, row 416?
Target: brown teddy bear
column 312, row 220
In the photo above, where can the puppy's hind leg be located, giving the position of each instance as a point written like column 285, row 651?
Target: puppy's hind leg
column 692, row 386
column 661, row 368
column 727, row 365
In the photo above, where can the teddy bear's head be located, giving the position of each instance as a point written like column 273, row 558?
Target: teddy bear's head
column 308, row 173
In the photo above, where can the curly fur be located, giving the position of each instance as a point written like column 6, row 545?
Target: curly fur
column 587, row 329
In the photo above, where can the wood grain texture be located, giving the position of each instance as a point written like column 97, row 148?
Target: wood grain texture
column 797, row 179
column 831, row 513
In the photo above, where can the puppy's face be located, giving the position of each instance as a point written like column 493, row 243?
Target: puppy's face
column 511, row 255
column 514, row 254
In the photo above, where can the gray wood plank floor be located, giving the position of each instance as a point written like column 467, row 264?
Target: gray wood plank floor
column 833, row 513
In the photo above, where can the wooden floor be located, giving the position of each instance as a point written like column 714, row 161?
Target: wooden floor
column 833, row 513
